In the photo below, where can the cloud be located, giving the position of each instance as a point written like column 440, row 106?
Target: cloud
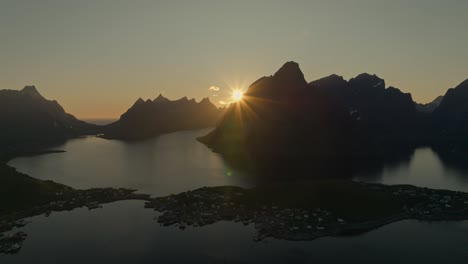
column 214, row 95
column 221, row 102
column 213, row 88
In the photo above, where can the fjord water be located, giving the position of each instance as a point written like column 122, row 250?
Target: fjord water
column 176, row 162
column 124, row 232
column 164, row 165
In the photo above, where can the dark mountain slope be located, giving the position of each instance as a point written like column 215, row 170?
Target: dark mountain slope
column 380, row 112
column 450, row 125
column 451, row 117
column 27, row 119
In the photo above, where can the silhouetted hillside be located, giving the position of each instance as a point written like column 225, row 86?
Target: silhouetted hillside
column 451, row 117
column 450, row 125
column 27, row 119
column 285, row 123
column 161, row 115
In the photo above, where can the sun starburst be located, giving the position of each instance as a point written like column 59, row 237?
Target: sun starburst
column 237, row 95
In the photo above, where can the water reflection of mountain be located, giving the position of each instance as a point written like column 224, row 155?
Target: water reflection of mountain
column 427, row 167
column 454, row 164
column 331, row 168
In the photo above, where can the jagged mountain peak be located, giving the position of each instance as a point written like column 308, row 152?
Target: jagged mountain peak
column 287, row 82
column 290, row 72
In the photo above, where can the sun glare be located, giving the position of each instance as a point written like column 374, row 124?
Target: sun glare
column 237, row 95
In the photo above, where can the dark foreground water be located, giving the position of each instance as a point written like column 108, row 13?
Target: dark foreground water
column 125, row 232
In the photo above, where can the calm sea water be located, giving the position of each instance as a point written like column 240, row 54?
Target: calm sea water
column 168, row 164
column 125, row 232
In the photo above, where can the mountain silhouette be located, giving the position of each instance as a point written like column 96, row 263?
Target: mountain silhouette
column 377, row 111
column 154, row 117
column 26, row 118
column 283, row 122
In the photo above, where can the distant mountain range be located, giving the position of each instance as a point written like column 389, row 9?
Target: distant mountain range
column 153, row 117
column 283, row 122
column 28, row 121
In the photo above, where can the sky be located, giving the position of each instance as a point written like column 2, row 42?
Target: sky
column 97, row 57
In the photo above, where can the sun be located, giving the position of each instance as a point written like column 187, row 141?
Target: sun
column 237, row 95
